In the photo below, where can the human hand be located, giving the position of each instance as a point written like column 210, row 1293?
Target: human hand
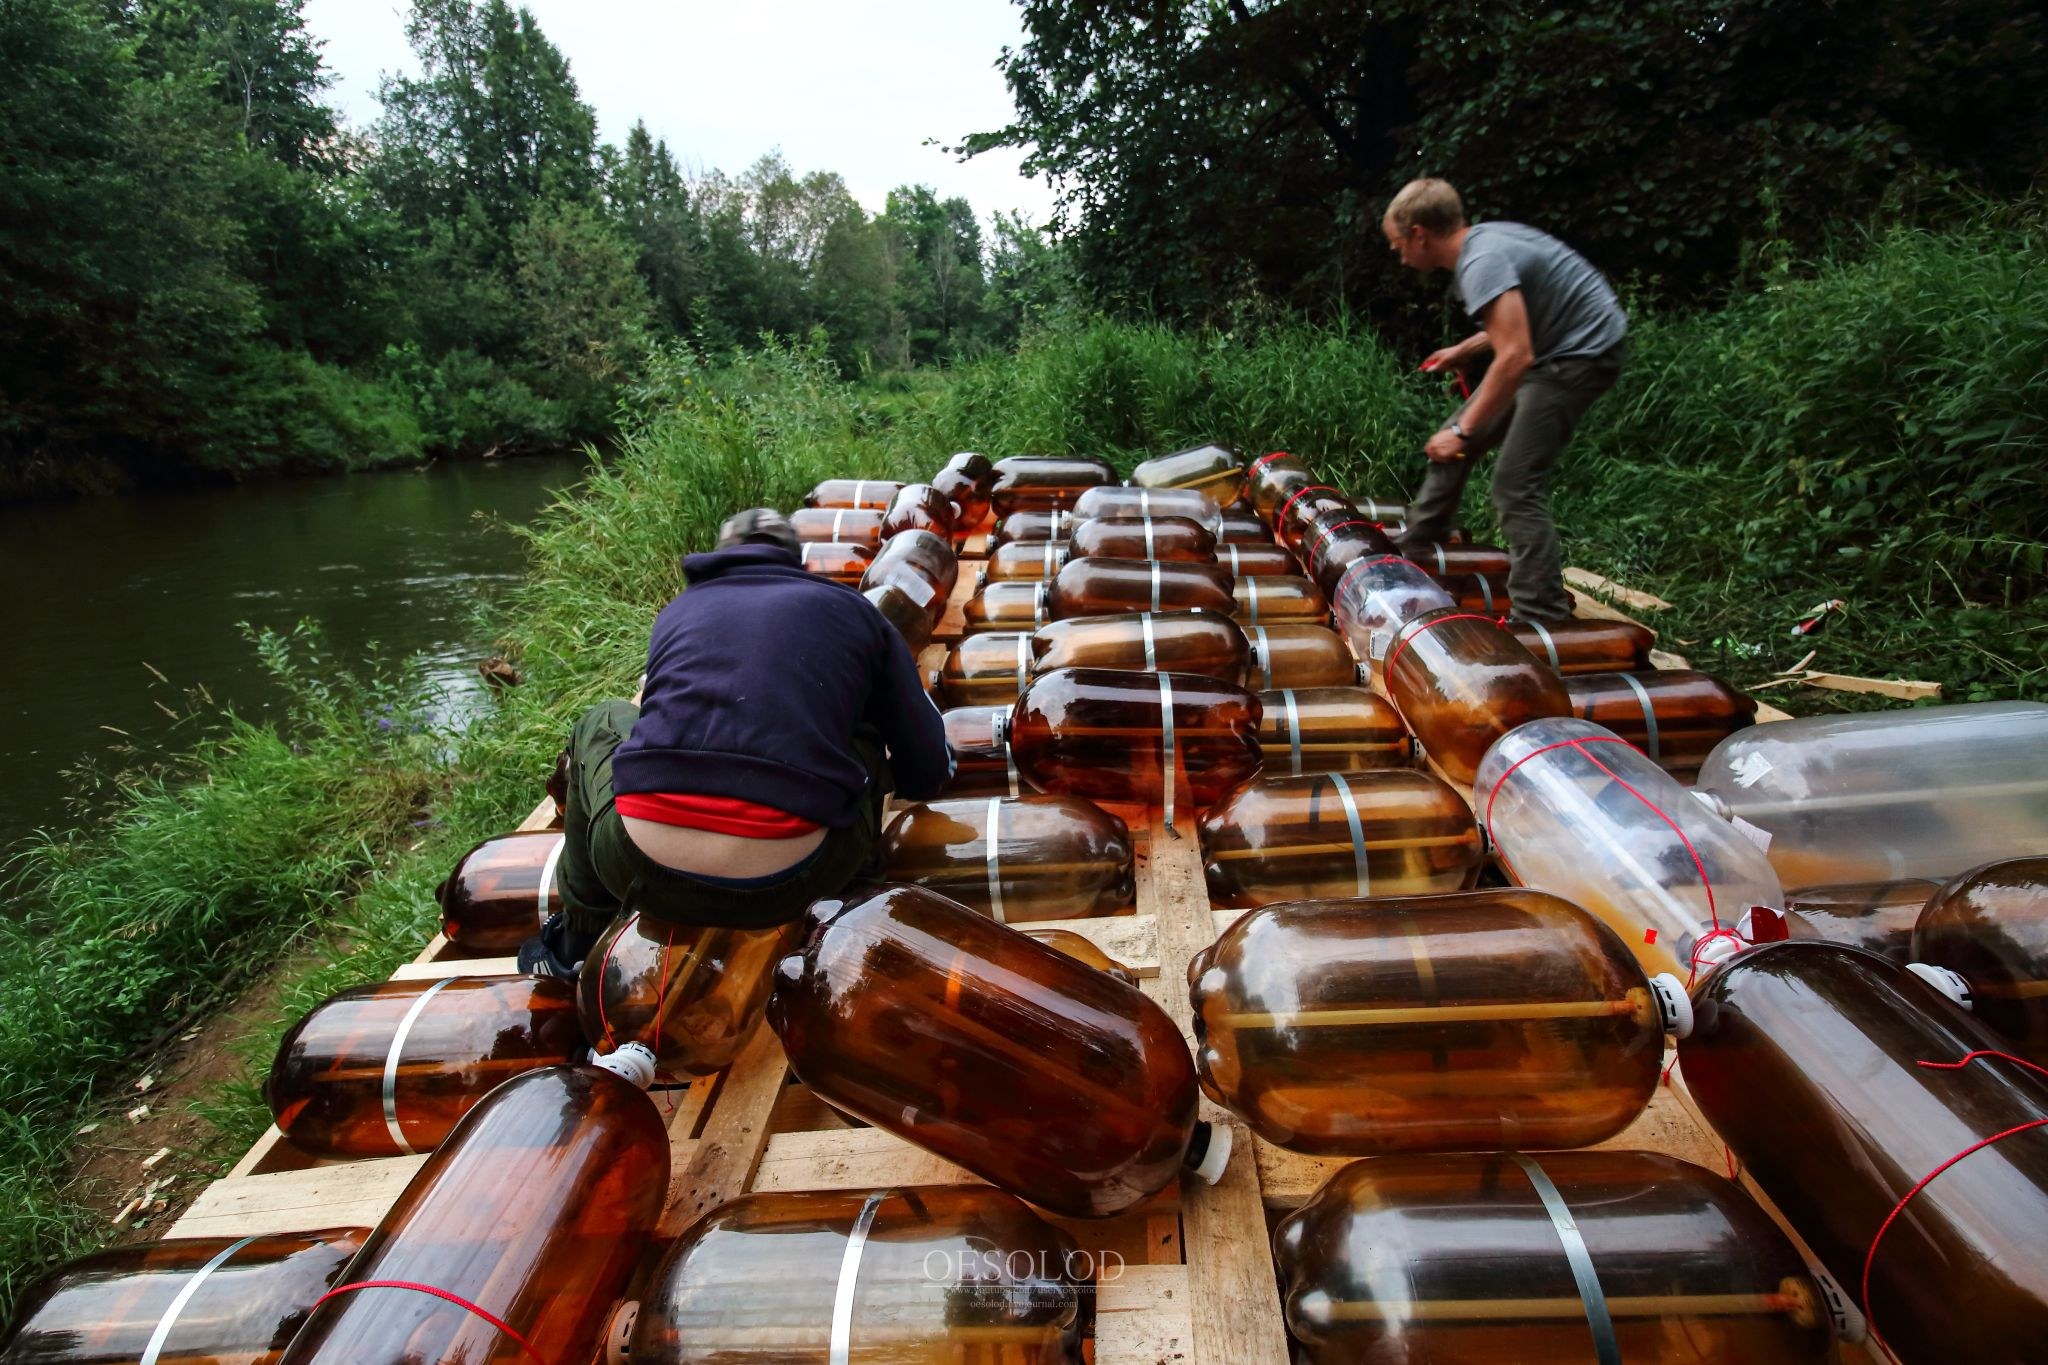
column 1446, row 447
column 1446, row 358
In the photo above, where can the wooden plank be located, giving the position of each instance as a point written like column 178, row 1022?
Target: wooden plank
column 850, row 1159
column 1899, row 689
column 953, row 624
column 352, row 1194
column 732, row 1139
column 1607, row 587
column 1130, row 939
column 457, row 966
column 1142, row 1317
column 1234, row 1308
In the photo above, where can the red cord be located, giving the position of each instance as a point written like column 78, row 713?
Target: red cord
column 1401, row 642
column 604, row 966
column 455, row 1299
column 1280, row 516
column 1265, row 460
column 1871, row 1255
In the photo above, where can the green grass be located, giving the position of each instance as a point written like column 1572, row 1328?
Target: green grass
column 1870, row 427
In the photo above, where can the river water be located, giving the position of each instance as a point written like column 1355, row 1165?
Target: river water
column 97, row 593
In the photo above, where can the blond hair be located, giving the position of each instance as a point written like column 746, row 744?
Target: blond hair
column 1432, row 204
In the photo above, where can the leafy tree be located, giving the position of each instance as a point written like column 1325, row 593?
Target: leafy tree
column 647, row 195
column 940, row 285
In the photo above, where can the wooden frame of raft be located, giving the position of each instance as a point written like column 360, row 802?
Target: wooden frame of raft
column 1198, row 1284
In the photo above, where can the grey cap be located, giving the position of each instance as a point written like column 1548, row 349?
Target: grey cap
column 758, row 526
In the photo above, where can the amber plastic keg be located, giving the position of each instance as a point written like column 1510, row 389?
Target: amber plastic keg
column 389, row 1069
column 1394, row 832
column 1299, row 518
column 921, row 564
column 1033, row 528
column 1489, row 1020
column 1038, row 562
column 1442, row 560
column 691, row 994
column 1143, row 641
column 1579, row 812
column 1331, row 730
column 500, row 891
column 1015, row 858
column 1553, row 1260
column 1171, row 740
column 1484, row 593
column 967, row 480
column 1297, row 656
column 844, row 563
column 1990, row 927
column 1674, row 715
column 1887, row 1127
column 1918, row 792
column 945, row 1273
column 1080, row 949
column 874, row 494
column 1047, row 1078
column 1042, row 483
column 1098, row 587
column 1174, row 538
column 1878, row 916
column 188, row 1301
column 1243, row 561
column 838, row 526
column 978, row 737
column 984, row 669
column 1112, row 500
column 1574, row 647
column 517, row 1238
column 1334, row 544
column 1269, row 479
column 920, row 507
column 1217, row 470
column 1241, row 526
column 1007, row 605
column 909, row 614
column 1278, row 599
column 1461, row 682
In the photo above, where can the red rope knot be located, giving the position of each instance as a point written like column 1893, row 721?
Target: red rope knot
column 1699, row 949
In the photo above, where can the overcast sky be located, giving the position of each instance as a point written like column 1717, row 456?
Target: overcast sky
column 856, row 88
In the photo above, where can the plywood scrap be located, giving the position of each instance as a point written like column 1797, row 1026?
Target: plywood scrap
column 1901, row 689
column 1608, row 588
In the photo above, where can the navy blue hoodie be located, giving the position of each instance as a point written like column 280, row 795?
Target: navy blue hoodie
column 756, row 678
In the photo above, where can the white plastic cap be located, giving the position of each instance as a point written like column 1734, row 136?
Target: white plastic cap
column 1942, row 979
column 1674, row 1003
column 1843, row 1315
column 1711, row 801
column 630, row 1061
column 618, row 1336
column 1216, row 1157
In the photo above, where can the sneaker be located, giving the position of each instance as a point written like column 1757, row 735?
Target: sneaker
column 557, row 950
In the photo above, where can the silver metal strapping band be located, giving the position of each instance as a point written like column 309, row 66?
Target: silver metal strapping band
column 1145, row 503
column 177, row 1305
column 1262, row 656
column 1233, row 559
column 1649, row 711
column 1440, row 566
column 1251, row 587
column 1058, row 518
column 1549, row 645
column 1167, row 750
column 1151, row 646
column 995, row 858
column 1485, row 590
column 1606, row 1350
column 841, row 1348
column 391, row 1065
column 1155, row 585
column 1359, row 865
column 1293, row 730
column 859, row 487
column 1023, row 661
column 1047, row 571
column 804, row 556
column 546, row 891
column 1149, row 554
column 1038, row 601
column 838, row 519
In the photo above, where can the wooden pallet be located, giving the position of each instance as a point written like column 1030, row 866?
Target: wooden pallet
column 1197, row 1285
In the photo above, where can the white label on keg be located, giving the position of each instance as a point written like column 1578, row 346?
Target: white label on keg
column 1376, row 644
column 917, row 589
column 1750, row 769
column 1756, row 834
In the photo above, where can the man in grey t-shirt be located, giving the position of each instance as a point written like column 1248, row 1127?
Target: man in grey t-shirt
column 1557, row 335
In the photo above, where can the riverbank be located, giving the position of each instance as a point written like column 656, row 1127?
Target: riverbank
column 335, row 827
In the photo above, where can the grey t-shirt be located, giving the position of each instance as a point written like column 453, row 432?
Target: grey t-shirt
column 1572, row 308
